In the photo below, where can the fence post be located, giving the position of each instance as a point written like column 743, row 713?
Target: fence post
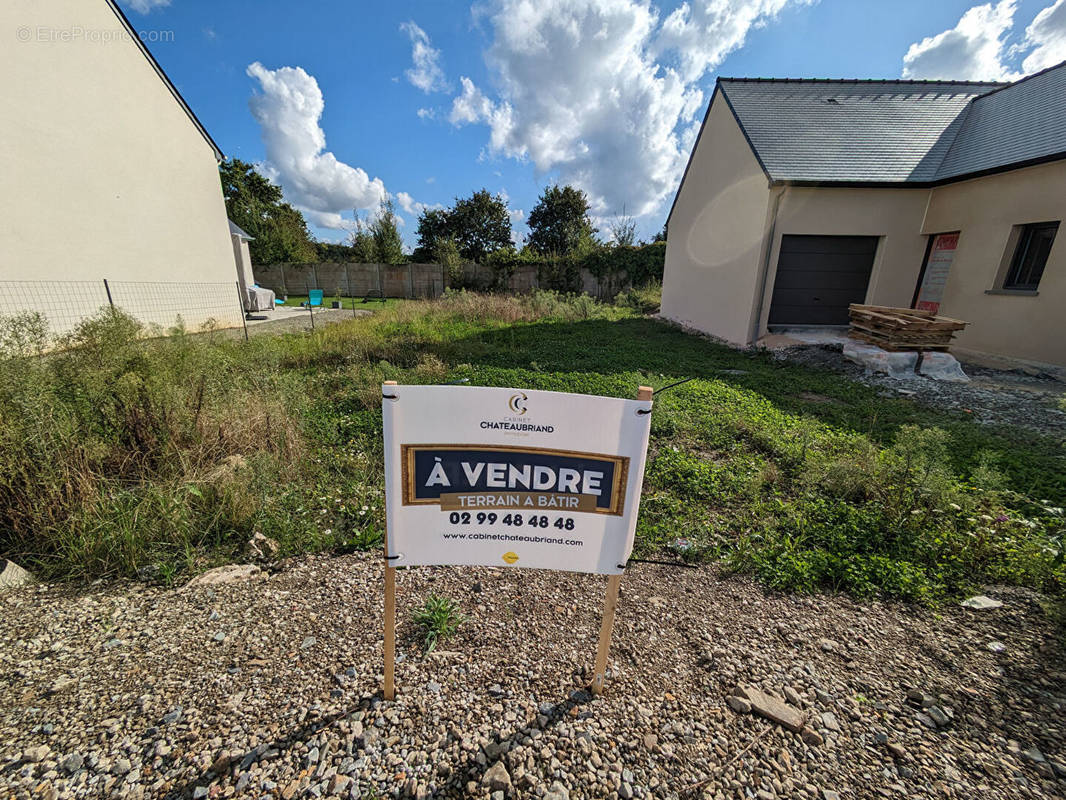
column 107, row 288
column 310, row 308
column 244, row 315
column 410, row 282
column 381, row 280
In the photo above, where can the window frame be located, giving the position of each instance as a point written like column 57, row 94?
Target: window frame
column 1012, row 280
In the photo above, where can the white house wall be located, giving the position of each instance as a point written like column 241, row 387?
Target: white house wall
column 716, row 233
column 104, row 173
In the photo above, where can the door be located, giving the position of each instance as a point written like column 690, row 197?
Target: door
column 818, row 276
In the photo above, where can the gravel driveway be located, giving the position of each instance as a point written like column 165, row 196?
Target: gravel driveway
column 269, row 688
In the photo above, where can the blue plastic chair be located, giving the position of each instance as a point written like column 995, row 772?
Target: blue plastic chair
column 314, row 297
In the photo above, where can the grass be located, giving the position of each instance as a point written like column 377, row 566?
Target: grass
column 439, row 618
column 121, row 455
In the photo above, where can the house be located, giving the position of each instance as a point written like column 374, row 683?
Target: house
column 108, row 174
column 802, row 196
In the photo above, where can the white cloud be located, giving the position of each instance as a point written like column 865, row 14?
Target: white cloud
column 600, row 91
column 288, row 111
column 973, row 50
column 1047, row 36
column 412, row 206
column 426, row 73
column 145, row 6
column 976, row 48
column 426, row 113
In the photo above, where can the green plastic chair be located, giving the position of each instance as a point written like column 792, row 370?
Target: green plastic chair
column 314, row 297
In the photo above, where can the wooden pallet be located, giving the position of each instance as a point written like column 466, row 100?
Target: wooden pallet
column 902, row 328
column 895, row 347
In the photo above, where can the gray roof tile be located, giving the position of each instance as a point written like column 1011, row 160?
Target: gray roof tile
column 898, row 131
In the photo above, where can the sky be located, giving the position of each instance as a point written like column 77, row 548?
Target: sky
column 345, row 103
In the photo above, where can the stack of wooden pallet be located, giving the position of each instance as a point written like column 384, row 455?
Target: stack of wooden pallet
column 902, row 328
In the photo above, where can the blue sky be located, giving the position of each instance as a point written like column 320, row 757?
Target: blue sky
column 513, row 95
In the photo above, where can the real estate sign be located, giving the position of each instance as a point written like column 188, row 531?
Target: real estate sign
column 935, row 278
column 512, row 478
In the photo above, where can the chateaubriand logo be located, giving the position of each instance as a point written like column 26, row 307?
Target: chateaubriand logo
column 517, row 405
column 510, row 557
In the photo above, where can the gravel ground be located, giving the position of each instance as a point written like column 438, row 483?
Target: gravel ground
column 291, row 320
column 996, row 397
column 269, row 688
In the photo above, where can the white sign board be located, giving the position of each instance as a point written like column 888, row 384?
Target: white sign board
column 511, row 477
column 937, row 268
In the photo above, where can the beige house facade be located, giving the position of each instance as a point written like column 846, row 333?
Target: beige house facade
column 107, row 171
column 801, row 197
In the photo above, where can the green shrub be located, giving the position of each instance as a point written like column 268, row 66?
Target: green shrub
column 644, row 300
column 439, row 618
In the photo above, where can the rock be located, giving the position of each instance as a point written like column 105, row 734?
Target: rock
column 811, row 737
column 72, row 763
column 739, row 704
column 496, row 778
column 651, row 741
column 777, row 710
column 262, row 548
column 219, row 576
column 557, row 792
column 219, row 637
column 939, row 717
column 896, row 750
column 339, row 784
column 477, row 587
column 12, row 575
column 173, row 715
column 222, row 763
column 37, row 754
column 829, row 721
column 199, row 793
column 919, row 698
column 828, row 645
column 792, row 696
column 121, row 766
column 830, row 795
column 980, row 603
column 1032, row 754
column 307, row 643
column 997, row 647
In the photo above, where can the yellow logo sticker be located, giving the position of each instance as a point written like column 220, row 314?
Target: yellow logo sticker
column 510, row 557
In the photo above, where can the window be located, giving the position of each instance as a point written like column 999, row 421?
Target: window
column 1027, row 266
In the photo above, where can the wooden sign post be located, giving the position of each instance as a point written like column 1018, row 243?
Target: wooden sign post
column 390, row 615
column 610, row 603
column 512, row 478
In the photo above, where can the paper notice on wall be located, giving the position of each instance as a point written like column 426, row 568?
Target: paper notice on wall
column 937, row 268
column 506, row 477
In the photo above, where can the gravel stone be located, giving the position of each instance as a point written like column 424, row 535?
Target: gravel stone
column 164, row 715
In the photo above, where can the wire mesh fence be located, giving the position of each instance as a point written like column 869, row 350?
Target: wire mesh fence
column 160, row 307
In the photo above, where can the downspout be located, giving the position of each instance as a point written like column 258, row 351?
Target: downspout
column 753, row 333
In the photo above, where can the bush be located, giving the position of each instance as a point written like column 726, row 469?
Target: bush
column 644, row 300
column 439, row 618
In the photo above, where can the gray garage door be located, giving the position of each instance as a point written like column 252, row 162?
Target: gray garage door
column 818, row 276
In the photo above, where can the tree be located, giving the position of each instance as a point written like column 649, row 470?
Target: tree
column 432, row 227
column 279, row 231
column 361, row 242
column 479, row 224
column 661, row 235
column 559, row 224
column 388, row 245
column 624, row 230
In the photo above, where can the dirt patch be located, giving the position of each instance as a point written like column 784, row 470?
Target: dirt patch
column 995, row 397
column 270, row 687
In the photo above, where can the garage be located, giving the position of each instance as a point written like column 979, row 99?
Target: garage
column 818, row 276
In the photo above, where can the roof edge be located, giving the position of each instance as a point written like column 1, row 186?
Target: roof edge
column 966, row 176
column 1023, row 79
column 219, row 155
column 894, row 81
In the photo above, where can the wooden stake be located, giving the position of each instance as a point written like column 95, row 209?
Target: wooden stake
column 389, row 691
column 610, row 604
